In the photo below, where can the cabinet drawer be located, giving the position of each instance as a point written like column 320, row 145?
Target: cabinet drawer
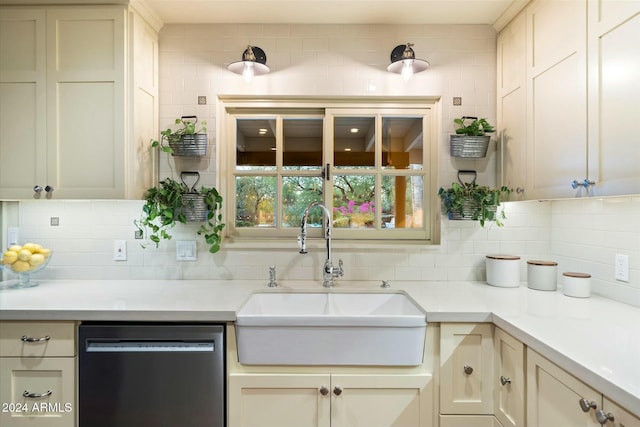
column 52, row 377
column 61, row 339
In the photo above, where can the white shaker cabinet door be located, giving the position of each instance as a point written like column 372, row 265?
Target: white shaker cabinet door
column 85, row 101
column 512, row 107
column 508, row 379
column 466, row 368
column 382, row 400
column 556, row 98
column 614, row 96
column 23, row 149
column 279, row 400
column 553, row 396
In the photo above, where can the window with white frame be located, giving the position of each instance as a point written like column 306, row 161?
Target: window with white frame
column 373, row 164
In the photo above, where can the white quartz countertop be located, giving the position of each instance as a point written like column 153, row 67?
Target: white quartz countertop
column 596, row 339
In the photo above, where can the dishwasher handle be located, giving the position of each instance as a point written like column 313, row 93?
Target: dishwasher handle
column 143, row 346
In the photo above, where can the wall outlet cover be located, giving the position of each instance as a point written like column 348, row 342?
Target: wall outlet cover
column 119, row 250
column 621, row 267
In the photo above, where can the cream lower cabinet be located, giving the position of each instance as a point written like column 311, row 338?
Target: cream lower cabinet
column 509, row 379
column 553, row 396
column 37, row 374
column 557, row 398
column 619, row 417
column 466, row 368
column 330, row 400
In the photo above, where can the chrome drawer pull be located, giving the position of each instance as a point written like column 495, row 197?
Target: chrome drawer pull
column 29, row 339
column 36, row 395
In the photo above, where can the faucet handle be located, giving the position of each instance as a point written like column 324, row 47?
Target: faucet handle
column 340, row 269
column 302, row 244
column 272, row 277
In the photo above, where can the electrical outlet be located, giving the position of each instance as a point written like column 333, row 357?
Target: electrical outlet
column 622, row 267
column 186, row 250
column 119, row 250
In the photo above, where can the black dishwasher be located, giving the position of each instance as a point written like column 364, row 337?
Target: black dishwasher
column 151, row 375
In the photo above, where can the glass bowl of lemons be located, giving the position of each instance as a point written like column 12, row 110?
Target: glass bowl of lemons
column 23, row 261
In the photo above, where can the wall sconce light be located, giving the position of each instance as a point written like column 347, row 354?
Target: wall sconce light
column 404, row 62
column 253, row 63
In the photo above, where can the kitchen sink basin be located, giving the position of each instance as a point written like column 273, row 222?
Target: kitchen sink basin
column 330, row 328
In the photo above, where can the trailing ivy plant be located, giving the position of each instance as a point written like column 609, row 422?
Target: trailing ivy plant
column 476, row 202
column 477, row 127
column 187, row 127
column 163, row 209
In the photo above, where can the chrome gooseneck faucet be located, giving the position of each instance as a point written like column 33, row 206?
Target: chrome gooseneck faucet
column 329, row 272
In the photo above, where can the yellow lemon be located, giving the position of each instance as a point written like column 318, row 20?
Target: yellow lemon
column 20, row 266
column 15, row 248
column 45, row 251
column 31, row 247
column 38, row 247
column 9, row 257
column 36, row 259
column 24, row 255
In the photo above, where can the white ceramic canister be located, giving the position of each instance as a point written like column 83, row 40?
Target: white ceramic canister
column 503, row 270
column 541, row 275
column 576, row 284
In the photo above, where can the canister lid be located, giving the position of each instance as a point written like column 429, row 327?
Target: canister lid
column 505, row 257
column 578, row 275
column 547, row 263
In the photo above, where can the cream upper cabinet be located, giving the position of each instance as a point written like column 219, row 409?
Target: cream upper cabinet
column 564, row 129
column 554, row 397
column 75, row 109
column 466, row 368
column 614, row 96
column 556, row 97
column 23, row 124
column 509, row 383
column 336, row 400
column 511, row 107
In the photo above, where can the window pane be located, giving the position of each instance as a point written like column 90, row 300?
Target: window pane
column 302, row 144
column 402, row 202
column 256, row 144
column 255, row 201
column 298, row 193
column 402, row 143
column 354, row 142
column 354, row 201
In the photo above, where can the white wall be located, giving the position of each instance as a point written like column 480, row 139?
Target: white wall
column 339, row 60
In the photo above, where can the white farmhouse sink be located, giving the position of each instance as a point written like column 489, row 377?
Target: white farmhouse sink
column 330, row 328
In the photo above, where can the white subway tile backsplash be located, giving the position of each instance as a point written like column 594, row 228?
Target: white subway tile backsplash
column 582, row 234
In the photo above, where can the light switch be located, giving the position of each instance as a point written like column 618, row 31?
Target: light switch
column 186, row 250
column 12, row 236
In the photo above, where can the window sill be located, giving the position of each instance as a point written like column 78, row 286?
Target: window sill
column 291, row 244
